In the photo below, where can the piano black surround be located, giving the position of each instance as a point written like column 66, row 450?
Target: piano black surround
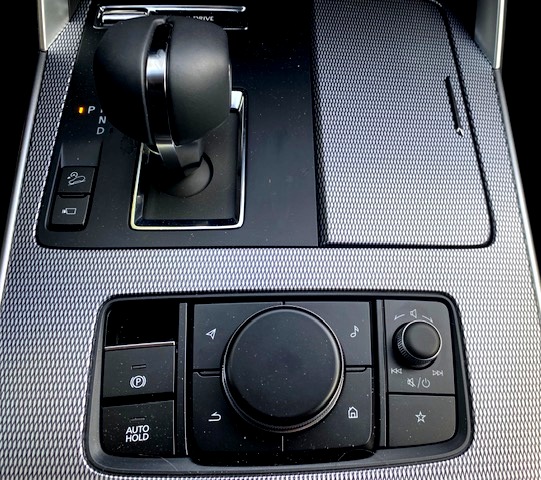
column 277, row 383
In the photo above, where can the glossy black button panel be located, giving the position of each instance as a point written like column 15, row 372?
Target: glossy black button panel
column 139, row 370
column 79, row 154
column 142, row 430
column 208, row 383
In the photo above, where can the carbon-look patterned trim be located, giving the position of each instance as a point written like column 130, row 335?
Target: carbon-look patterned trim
column 52, row 299
column 392, row 168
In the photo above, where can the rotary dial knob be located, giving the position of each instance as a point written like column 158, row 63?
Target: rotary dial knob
column 283, row 370
column 417, row 343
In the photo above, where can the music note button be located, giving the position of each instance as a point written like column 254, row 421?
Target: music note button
column 350, row 321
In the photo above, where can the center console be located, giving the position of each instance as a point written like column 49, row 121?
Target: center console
column 260, row 239
column 268, row 381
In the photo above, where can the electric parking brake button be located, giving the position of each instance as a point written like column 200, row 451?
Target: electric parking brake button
column 145, row 430
column 137, row 370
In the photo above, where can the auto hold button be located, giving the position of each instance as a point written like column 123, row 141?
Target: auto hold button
column 146, row 429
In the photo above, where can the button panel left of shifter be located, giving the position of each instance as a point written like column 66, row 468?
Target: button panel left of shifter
column 78, row 161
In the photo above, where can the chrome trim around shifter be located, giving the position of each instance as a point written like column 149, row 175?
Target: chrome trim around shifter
column 108, row 15
column 238, row 106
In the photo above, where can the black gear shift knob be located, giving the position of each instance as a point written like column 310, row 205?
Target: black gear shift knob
column 166, row 82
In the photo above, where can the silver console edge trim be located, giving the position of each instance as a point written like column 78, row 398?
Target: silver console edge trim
column 489, row 29
column 518, row 182
column 53, row 15
column 502, row 10
column 19, row 175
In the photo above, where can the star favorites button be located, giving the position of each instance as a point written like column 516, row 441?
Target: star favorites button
column 420, row 419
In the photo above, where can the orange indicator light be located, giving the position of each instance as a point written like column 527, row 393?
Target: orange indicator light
column 81, row 110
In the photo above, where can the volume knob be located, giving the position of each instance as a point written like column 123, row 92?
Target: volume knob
column 417, row 343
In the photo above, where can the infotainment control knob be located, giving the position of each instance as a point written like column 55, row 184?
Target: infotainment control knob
column 417, row 343
column 283, row 370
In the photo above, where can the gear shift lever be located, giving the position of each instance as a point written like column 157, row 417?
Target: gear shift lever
column 166, row 82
